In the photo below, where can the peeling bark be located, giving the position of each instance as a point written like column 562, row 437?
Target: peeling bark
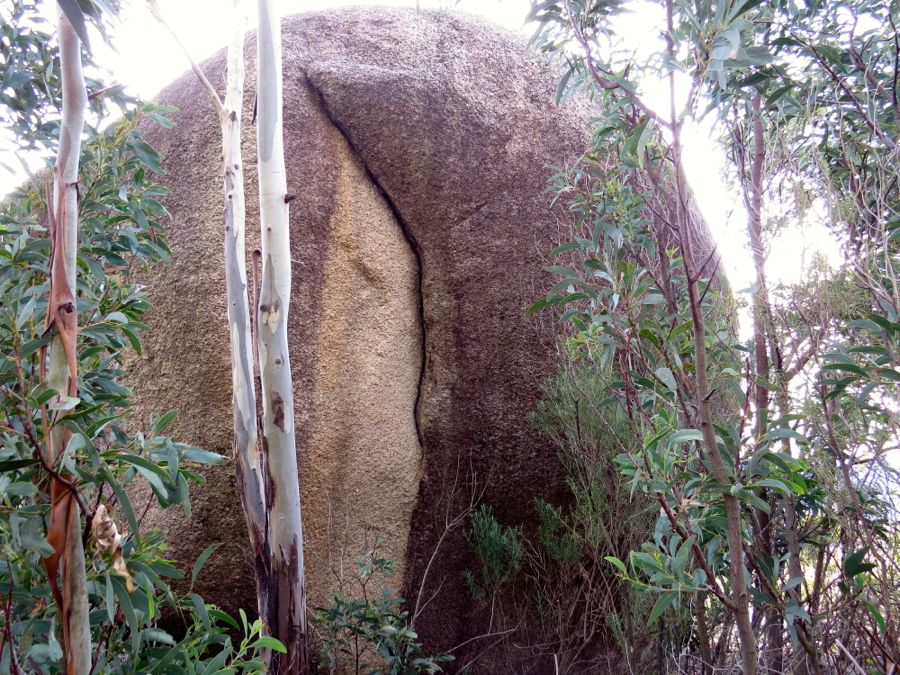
column 59, row 362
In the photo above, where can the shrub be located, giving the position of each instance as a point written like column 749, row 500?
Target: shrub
column 371, row 633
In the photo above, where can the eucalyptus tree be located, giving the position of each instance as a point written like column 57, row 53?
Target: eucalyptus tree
column 663, row 162
column 806, row 103
column 70, row 310
column 852, row 58
column 266, row 462
column 283, row 602
column 806, row 107
column 64, row 530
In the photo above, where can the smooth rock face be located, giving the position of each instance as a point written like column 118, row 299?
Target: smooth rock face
column 417, row 147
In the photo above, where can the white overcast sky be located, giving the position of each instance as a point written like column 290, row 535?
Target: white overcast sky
column 147, row 59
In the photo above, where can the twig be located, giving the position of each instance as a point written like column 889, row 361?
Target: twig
column 603, row 82
column 211, row 90
column 481, row 637
column 29, row 434
column 855, row 663
column 7, row 629
column 839, row 81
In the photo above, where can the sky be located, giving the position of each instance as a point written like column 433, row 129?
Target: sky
column 147, row 58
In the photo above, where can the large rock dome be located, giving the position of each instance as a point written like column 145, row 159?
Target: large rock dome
column 417, row 146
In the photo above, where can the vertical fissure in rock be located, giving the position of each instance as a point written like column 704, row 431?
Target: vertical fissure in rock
column 411, row 241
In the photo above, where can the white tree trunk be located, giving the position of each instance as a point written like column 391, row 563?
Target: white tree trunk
column 284, row 605
column 64, row 531
column 266, row 466
column 248, row 460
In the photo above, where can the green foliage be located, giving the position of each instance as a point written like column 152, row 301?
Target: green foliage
column 603, row 522
column 31, row 81
column 805, row 99
column 641, row 353
column 207, row 646
column 121, row 231
column 31, row 92
column 372, row 633
column 499, row 551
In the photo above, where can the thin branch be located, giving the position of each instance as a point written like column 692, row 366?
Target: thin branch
column 839, row 81
column 602, row 81
column 210, row 90
column 847, row 653
column 29, row 434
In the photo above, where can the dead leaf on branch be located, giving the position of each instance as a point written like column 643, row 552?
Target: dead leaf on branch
column 108, row 540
